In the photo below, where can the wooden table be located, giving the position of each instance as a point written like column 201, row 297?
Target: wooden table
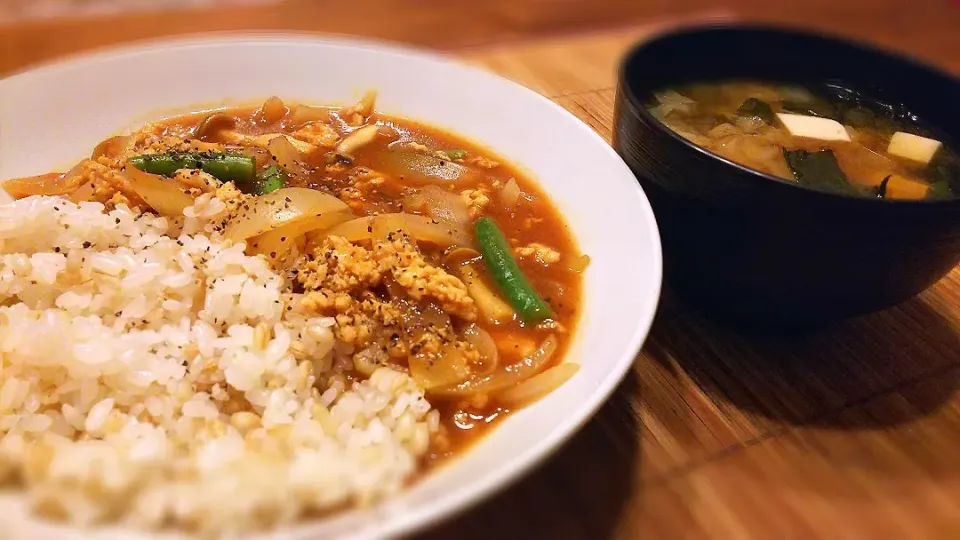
column 851, row 433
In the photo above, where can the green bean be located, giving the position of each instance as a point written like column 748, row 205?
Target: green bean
column 508, row 276
column 269, row 179
column 222, row 166
column 165, row 164
column 230, row 167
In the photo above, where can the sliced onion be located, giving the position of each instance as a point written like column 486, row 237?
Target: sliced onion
column 421, row 228
column 367, row 102
column 507, row 377
column 304, row 114
column 492, row 308
column 285, row 153
column 273, row 110
column 461, row 256
column 161, row 195
column 84, row 193
column 510, row 194
column 435, row 318
column 113, row 147
column 423, row 168
column 279, row 208
column 578, row 264
column 213, row 123
column 354, row 230
column 424, row 229
column 447, row 368
column 300, row 148
column 357, row 140
column 671, row 100
column 383, row 226
column 439, row 204
column 370, row 358
column 277, row 245
column 537, row 386
column 364, row 107
column 481, row 340
column 43, row 184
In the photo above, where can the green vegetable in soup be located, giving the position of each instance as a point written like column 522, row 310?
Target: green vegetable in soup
column 498, row 257
column 814, row 108
column 882, row 188
column 754, row 108
column 456, row 153
column 818, row 170
column 270, row 179
column 222, row 166
column 859, row 117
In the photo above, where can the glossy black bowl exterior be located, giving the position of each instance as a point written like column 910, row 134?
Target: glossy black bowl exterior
column 762, row 250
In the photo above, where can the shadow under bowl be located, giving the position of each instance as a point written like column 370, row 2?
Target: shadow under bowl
column 759, row 250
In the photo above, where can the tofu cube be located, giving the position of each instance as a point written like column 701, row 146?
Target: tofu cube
column 913, row 147
column 813, row 127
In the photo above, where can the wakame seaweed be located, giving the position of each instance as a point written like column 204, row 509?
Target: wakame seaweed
column 815, row 108
column 882, row 188
column 755, row 108
column 818, row 170
column 859, row 117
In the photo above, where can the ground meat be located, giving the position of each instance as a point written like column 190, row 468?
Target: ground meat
column 352, row 196
column 482, row 162
column 326, row 301
column 365, row 180
column 336, row 168
column 109, row 186
column 358, row 319
column 318, row 134
column 158, row 138
column 339, row 266
column 529, row 222
column 356, row 115
column 232, row 197
column 543, row 254
column 476, row 201
column 197, row 179
column 400, row 257
column 339, row 279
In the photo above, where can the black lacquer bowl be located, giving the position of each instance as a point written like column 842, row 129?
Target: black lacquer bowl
column 756, row 249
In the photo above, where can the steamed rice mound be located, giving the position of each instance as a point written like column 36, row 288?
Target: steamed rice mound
column 155, row 375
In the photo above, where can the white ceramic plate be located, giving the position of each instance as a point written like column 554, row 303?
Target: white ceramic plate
column 54, row 115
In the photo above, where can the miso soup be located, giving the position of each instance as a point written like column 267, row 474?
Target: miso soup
column 827, row 137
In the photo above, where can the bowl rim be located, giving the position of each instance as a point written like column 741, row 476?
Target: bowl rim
column 625, row 88
column 459, row 500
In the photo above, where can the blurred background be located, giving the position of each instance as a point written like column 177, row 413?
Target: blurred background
column 35, row 30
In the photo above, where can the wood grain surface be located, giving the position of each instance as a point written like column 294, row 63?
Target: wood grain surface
column 848, row 433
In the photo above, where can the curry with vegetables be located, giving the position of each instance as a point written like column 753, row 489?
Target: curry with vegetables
column 430, row 254
column 827, row 137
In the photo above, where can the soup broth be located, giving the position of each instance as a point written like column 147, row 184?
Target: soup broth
column 828, row 138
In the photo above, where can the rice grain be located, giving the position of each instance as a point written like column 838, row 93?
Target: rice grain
column 159, row 381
